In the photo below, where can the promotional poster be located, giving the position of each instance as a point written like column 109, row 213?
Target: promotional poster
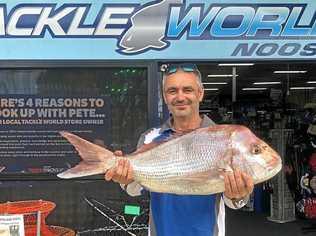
column 30, row 141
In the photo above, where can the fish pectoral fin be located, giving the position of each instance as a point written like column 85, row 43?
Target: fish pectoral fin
column 159, row 44
column 83, row 169
column 226, row 168
column 225, row 163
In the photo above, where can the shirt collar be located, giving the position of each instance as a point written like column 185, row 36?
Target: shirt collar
column 167, row 126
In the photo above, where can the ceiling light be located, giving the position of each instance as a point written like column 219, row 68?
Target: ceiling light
column 221, row 76
column 264, row 83
column 253, row 89
column 215, row 83
column 311, row 82
column 211, row 89
column 236, row 64
column 289, row 71
column 302, row 88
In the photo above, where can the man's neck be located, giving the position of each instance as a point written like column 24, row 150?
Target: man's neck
column 185, row 124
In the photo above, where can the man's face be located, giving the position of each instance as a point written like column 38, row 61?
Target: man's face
column 182, row 94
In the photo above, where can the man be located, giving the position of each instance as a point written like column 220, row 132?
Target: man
column 177, row 215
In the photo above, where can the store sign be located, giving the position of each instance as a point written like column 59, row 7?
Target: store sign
column 161, row 29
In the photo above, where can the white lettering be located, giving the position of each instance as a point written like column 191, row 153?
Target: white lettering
column 52, row 22
column 74, row 27
column 107, row 20
column 12, row 28
column 2, row 27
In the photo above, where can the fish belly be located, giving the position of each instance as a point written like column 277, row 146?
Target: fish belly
column 183, row 186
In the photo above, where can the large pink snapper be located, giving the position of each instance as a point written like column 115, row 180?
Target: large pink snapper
column 191, row 163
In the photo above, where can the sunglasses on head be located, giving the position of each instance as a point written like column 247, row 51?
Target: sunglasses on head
column 172, row 68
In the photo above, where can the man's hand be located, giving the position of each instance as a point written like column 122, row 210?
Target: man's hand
column 122, row 173
column 238, row 185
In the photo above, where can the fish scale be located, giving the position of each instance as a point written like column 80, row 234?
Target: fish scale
column 191, row 163
column 192, row 154
column 185, row 153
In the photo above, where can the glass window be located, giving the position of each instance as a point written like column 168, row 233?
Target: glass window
column 107, row 106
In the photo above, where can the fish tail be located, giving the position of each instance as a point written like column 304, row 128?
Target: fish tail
column 95, row 159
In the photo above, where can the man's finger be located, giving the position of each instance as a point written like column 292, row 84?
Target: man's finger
column 240, row 185
column 119, row 170
column 232, row 183
column 118, row 153
column 125, row 168
column 228, row 190
column 109, row 174
column 130, row 174
column 248, row 182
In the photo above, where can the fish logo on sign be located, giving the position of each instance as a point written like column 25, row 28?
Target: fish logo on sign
column 148, row 28
column 155, row 25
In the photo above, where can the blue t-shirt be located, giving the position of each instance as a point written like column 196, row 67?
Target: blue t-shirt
column 182, row 215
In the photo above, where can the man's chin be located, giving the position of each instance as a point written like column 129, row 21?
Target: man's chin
column 181, row 113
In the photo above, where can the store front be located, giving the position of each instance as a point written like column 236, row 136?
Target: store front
column 93, row 68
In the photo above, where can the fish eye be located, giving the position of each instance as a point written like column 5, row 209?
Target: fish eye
column 256, row 149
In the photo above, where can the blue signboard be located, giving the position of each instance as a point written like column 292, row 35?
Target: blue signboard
column 164, row 29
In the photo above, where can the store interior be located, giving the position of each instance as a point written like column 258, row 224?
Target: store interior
column 277, row 101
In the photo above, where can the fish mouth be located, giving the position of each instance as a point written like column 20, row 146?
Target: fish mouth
column 274, row 161
column 272, row 171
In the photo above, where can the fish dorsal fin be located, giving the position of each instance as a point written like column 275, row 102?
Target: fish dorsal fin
column 145, row 148
column 171, row 136
column 157, row 141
